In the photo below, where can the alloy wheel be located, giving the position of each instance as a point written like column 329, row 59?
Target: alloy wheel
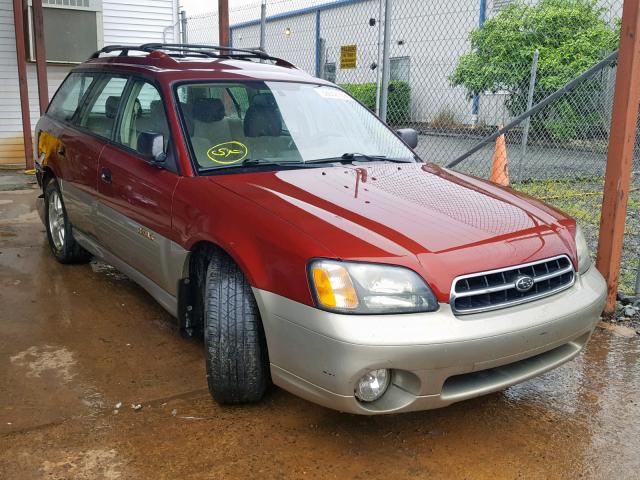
column 56, row 220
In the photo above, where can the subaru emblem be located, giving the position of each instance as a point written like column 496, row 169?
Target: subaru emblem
column 524, row 283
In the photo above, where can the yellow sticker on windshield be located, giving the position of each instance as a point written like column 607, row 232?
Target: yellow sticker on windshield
column 227, row 153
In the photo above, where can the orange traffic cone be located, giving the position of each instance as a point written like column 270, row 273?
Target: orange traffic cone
column 500, row 165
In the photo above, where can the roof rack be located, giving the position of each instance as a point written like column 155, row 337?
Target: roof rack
column 183, row 50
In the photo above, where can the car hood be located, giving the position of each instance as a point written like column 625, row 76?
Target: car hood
column 439, row 223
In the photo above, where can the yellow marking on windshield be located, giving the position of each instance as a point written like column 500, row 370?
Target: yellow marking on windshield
column 227, row 153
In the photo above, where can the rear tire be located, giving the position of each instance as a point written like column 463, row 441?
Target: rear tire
column 59, row 231
column 235, row 346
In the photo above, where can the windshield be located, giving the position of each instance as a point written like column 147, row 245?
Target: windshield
column 243, row 123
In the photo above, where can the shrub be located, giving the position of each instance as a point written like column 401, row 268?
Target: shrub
column 398, row 103
column 445, row 118
column 570, row 35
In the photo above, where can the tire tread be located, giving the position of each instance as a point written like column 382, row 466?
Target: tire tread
column 237, row 367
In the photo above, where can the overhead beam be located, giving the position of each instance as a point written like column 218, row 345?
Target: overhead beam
column 21, row 57
column 622, row 139
column 41, row 60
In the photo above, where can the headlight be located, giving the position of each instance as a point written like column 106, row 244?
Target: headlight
column 584, row 257
column 349, row 287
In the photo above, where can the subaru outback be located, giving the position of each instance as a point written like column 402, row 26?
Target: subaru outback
column 301, row 238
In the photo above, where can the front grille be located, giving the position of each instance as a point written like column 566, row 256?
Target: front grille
column 479, row 292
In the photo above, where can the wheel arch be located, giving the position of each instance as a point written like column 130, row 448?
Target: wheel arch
column 190, row 315
column 47, row 175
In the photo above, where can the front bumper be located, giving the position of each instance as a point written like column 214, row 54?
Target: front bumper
column 437, row 358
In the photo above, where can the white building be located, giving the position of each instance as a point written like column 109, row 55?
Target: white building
column 427, row 38
column 73, row 30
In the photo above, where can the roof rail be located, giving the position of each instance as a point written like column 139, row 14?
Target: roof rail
column 182, row 50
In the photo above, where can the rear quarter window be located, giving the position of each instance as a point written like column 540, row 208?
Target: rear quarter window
column 69, row 96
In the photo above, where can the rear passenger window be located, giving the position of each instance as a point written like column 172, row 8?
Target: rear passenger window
column 143, row 113
column 100, row 115
column 68, row 98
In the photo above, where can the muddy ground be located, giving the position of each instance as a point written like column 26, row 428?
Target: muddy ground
column 79, row 345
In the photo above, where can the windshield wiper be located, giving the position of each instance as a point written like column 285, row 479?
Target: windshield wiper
column 371, row 158
column 350, row 157
column 257, row 162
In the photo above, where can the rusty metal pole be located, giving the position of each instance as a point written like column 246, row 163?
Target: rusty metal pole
column 21, row 57
column 41, row 60
column 223, row 22
column 620, row 152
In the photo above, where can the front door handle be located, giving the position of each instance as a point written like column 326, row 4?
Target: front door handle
column 105, row 175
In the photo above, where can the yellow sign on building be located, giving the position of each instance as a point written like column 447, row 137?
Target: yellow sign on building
column 348, row 55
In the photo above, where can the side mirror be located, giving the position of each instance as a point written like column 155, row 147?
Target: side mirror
column 151, row 146
column 409, row 136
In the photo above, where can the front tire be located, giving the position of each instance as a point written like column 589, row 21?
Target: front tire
column 59, row 232
column 235, row 346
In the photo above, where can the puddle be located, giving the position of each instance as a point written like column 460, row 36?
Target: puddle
column 88, row 465
column 41, row 360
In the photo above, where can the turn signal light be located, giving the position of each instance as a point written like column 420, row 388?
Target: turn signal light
column 333, row 286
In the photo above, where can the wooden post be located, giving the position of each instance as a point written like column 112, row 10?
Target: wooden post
column 21, row 57
column 622, row 138
column 223, row 22
column 41, row 60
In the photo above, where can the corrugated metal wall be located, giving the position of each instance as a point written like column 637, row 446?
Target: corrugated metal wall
column 129, row 22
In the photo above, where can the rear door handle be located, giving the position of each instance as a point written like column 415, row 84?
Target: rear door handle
column 105, row 175
column 61, row 150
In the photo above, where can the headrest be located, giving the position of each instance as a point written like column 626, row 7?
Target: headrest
column 157, row 116
column 264, row 100
column 208, row 110
column 156, row 108
column 111, row 106
column 137, row 108
column 262, row 121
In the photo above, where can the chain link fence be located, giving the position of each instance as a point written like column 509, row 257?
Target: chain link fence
column 457, row 72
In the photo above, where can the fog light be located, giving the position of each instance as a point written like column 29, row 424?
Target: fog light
column 373, row 384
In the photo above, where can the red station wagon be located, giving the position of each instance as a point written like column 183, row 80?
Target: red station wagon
column 302, row 238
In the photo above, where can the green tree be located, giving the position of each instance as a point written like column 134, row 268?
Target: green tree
column 571, row 36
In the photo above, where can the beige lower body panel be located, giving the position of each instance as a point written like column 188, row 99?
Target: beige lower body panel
column 436, row 358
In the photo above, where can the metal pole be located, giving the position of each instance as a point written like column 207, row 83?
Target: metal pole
column 21, row 57
column 475, row 103
column 379, row 57
column 318, row 48
column 184, row 38
column 384, row 89
column 622, row 138
column 223, row 22
column 527, row 122
column 41, row 60
column 263, row 25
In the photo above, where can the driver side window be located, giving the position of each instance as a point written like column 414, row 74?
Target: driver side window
column 143, row 113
